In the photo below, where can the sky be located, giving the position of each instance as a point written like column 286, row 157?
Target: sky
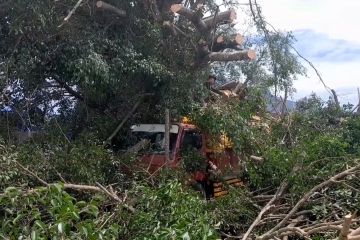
column 328, row 34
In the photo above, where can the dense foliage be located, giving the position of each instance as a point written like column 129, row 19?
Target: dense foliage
column 67, row 83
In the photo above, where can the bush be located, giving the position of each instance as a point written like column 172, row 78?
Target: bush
column 83, row 161
column 50, row 212
column 169, row 211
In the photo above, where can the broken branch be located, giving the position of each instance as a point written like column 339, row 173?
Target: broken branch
column 278, row 193
column 72, row 12
column 346, row 227
column 190, row 15
column 78, row 187
column 109, row 7
column 231, row 56
column 306, row 197
column 233, row 41
column 224, row 17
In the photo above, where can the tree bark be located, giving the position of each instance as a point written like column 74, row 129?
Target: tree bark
column 190, row 15
column 222, row 42
column 72, row 11
column 231, row 56
column 346, row 227
column 224, row 17
column 109, row 7
column 171, row 27
column 337, row 103
column 354, row 233
column 197, row 4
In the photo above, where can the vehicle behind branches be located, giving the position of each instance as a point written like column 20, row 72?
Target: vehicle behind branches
column 211, row 163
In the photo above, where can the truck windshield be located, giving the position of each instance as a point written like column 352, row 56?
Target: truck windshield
column 155, row 134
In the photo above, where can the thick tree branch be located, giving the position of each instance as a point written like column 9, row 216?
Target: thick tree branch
column 197, row 4
column 78, row 187
column 78, row 95
column 346, row 227
column 222, row 42
column 70, row 90
column 231, row 56
column 223, row 17
column 71, row 12
column 336, row 100
column 278, row 193
column 111, row 8
column 190, row 15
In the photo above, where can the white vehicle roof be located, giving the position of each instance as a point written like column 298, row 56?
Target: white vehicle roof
column 154, row 128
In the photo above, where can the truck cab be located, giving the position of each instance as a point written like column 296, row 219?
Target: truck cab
column 221, row 160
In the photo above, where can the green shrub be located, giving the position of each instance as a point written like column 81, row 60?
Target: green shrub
column 170, row 211
column 50, row 212
column 82, row 161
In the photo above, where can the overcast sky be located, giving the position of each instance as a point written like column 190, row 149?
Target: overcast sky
column 328, row 34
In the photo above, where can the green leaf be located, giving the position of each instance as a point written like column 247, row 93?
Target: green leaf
column 17, row 218
column 85, row 231
column 61, row 228
column 58, row 187
column 40, row 224
column 186, row 236
column 34, row 235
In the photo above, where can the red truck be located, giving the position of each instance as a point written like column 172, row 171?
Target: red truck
column 222, row 166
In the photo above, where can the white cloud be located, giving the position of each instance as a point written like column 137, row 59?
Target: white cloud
column 343, row 77
column 328, row 35
column 320, row 47
column 338, row 19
